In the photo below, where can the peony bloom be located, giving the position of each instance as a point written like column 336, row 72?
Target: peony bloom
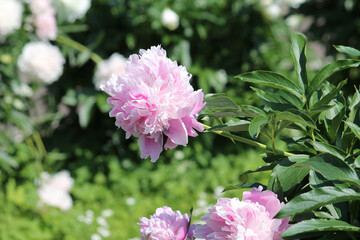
column 54, row 190
column 154, row 98
column 169, row 19
column 44, row 19
column 75, row 9
column 250, row 219
column 165, row 224
column 10, row 17
column 114, row 65
column 40, row 61
column 269, row 200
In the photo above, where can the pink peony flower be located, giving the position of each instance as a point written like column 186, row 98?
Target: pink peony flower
column 154, row 98
column 165, row 224
column 250, row 219
column 272, row 204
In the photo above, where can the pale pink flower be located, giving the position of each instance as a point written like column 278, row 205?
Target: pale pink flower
column 154, row 98
column 44, row 19
column 54, row 190
column 46, row 28
column 114, row 65
column 165, row 224
column 250, row 219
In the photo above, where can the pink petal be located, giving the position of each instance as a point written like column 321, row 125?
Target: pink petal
column 149, row 147
column 177, row 132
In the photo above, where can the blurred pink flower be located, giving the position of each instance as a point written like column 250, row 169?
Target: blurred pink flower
column 165, row 224
column 250, row 219
column 54, row 190
column 154, row 97
column 46, row 28
column 44, row 19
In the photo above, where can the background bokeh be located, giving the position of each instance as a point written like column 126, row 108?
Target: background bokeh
column 65, row 125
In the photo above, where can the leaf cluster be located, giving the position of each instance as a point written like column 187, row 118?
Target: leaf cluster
column 319, row 179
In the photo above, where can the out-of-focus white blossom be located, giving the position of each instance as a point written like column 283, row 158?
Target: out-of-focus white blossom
column 95, row 237
column 115, row 64
column 10, row 17
column 218, row 192
column 40, row 61
column 170, row 19
column 75, row 9
column 130, row 201
column 44, row 19
column 294, row 21
column 107, row 213
column 103, row 232
column 102, row 221
column 54, row 190
column 273, row 10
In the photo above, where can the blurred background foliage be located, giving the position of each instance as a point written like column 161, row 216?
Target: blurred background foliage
column 65, row 125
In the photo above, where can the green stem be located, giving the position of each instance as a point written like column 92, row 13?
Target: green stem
column 78, row 46
column 247, row 141
column 39, row 143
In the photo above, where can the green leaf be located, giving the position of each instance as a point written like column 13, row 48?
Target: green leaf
column 272, row 79
column 327, row 148
column 220, row 102
column 354, row 128
column 347, row 50
column 329, row 70
column 279, row 99
column 319, row 225
column 331, row 168
column 267, row 167
column 7, row 161
column 256, row 124
column 232, row 126
column 85, row 110
column 328, row 97
column 285, row 172
column 298, row 44
column 288, row 116
column 244, row 185
column 317, row 198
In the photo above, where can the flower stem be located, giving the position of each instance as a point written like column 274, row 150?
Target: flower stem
column 248, row 141
column 78, row 46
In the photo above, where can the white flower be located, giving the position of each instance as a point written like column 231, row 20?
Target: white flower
column 95, row 237
column 273, row 10
column 102, row 221
column 40, row 61
column 170, row 19
column 54, row 190
column 10, row 17
column 107, row 213
column 114, row 65
column 103, row 232
column 130, row 201
column 75, row 9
